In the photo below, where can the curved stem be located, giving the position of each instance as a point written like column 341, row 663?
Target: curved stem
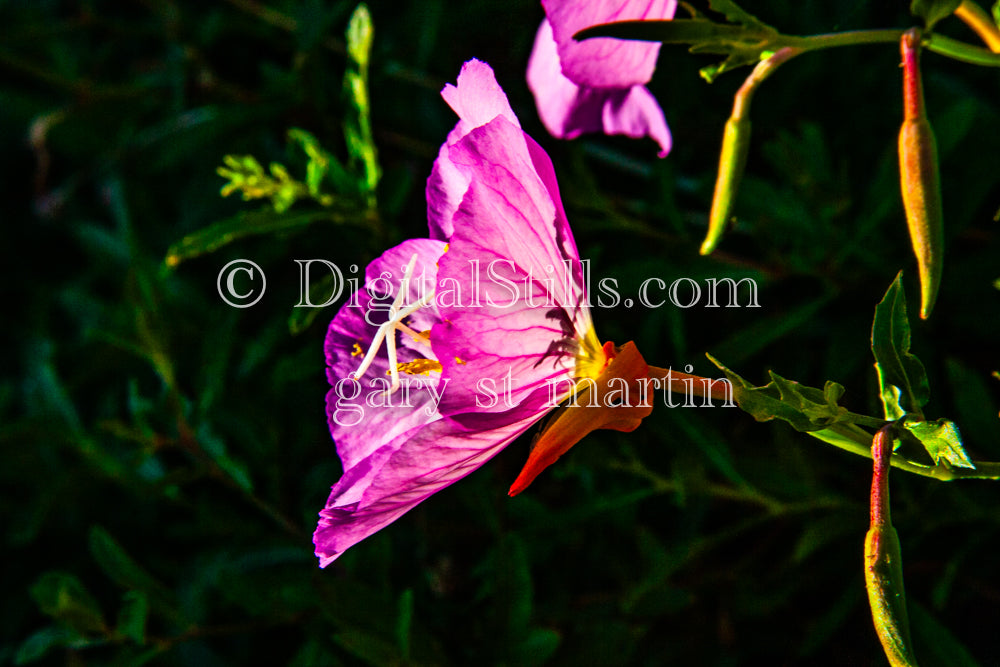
column 976, row 18
column 966, row 53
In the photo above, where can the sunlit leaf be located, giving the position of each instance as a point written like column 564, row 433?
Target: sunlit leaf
column 942, row 440
column 891, row 347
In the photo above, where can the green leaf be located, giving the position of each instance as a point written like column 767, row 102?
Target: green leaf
column 735, row 14
column 902, row 379
column 537, row 647
column 132, row 616
column 936, row 642
column 805, row 408
column 64, row 597
column 126, row 572
column 360, row 34
column 252, row 223
column 357, row 125
column 37, row 645
column 404, row 622
column 745, row 44
column 932, row 11
column 942, row 440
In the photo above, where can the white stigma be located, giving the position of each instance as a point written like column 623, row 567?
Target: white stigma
column 387, row 331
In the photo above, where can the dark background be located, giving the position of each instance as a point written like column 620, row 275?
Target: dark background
column 163, row 451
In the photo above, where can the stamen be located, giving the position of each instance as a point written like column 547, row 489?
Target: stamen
column 387, row 331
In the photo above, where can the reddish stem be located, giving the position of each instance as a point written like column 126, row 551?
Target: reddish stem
column 881, row 455
column 913, row 93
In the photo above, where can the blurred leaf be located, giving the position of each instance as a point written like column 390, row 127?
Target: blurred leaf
column 932, row 11
column 63, row 597
column 975, row 410
column 404, row 622
column 537, row 647
column 126, row 572
column 37, row 645
column 373, row 650
column 942, row 440
column 357, row 126
column 935, row 642
column 253, row 223
column 902, row 379
column 132, row 616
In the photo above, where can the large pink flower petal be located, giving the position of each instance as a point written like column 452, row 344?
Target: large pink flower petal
column 477, row 99
column 399, row 475
column 528, row 313
column 605, row 62
column 360, row 416
column 568, row 110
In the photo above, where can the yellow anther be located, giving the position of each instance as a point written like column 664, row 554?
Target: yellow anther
column 419, row 367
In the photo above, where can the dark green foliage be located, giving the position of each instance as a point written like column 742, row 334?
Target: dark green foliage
column 164, row 456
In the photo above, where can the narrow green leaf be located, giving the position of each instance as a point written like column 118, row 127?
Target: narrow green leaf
column 932, row 11
column 132, row 616
column 404, row 622
column 744, row 44
column 121, row 568
column 891, row 347
column 942, row 440
column 64, row 597
column 936, row 642
column 252, row 223
column 371, row 649
column 357, row 125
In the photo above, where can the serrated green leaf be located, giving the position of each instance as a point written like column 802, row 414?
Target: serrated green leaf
column 132, row 616
column 932, row 11
column 895, row 365
column 805, row 408
column 942, row 440
column 742, row 44
column 64, row 597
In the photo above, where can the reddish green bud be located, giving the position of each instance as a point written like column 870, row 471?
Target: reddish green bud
column 883, row 563
column 918, row 176
column 732, row 160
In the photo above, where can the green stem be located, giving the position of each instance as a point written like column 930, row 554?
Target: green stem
column 966, row 53
column 850, row 38
column 856, row 440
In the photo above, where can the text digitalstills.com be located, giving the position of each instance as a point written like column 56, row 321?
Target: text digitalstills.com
column 497, row 284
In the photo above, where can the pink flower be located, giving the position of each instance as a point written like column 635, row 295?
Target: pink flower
column 485, row 327
column 597, row 85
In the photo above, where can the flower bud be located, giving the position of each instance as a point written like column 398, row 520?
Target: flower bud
column 918, row 177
